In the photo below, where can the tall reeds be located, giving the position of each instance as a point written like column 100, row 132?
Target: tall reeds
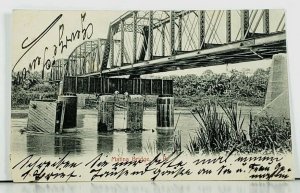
column 221, row 128
column 216, row 132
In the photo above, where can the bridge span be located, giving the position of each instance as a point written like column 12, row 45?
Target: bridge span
column 144, row 42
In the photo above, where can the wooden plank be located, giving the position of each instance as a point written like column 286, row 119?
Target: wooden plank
column 42, row 116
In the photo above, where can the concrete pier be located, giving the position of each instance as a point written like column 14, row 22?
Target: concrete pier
column 135, row 109
column 278, row 80
column 165, row 114
column 277, row 97
column 70, row 113
column 106, row 113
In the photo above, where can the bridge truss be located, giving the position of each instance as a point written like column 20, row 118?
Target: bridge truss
column 143, row 42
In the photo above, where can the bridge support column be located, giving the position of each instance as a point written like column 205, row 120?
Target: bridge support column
column 277, row 97
column 106, row 113
column 165, row 114
column 278, row 80
column 70, row 113
column 135, row 111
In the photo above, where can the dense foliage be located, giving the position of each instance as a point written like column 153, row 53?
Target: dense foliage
column 189, row 90
column 238, row 85
column 33, row 87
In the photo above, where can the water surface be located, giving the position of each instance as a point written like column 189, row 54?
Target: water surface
column 88, row 141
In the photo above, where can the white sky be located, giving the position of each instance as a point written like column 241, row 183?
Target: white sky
column 252, row 66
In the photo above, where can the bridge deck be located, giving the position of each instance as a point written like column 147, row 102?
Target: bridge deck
column 242, row 51
column 100, row 85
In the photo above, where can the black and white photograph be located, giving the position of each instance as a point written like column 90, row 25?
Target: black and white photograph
column 146, row 95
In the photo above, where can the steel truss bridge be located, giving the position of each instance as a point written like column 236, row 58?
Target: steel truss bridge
column 144, row 42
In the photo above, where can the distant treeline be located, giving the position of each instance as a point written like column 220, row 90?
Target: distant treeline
column 242, row 86
column 189, row 90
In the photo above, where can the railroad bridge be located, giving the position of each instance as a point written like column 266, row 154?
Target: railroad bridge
column 145, row 42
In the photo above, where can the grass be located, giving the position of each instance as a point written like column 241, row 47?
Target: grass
column 271, row 135
column 224, row 131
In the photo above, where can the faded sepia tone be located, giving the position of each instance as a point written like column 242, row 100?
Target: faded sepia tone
column 128, row 86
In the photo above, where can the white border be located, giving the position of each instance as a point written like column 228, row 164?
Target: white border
column 6, row 7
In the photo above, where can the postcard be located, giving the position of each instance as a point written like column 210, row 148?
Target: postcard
column 150, row 95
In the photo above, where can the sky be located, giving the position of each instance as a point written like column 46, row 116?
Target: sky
column 251, row 66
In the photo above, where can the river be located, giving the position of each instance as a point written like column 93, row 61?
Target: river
column 88, row 141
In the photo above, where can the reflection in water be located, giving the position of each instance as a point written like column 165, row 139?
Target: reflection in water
column 40, row 144
column 164, row 142
column 105, row 142
column 47, row 144
column 134, row 143
column 65, row 144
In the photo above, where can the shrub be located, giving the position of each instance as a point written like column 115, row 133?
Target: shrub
column 44, row 87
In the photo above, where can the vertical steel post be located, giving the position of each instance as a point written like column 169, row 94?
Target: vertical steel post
column 163, row 39
column 134, row 48
column 228, row 26
column 111, row 48
column 98, row 53
column 201, row 23
column 172, row 32
column 244, row 23
column 150, row 40
column 122, row 43
column 89, row 84
column 180, row 33
column 76, row 84
column 91, row 60
column 58, row 71
column 84, row 60
column 80, row 64
column 266, row 21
